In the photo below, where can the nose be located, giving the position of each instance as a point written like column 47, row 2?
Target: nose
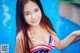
column 33, row 16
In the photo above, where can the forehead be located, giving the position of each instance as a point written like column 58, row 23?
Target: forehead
column 30, row 6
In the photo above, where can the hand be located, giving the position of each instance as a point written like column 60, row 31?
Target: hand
column 76, row 33
column 78, row 38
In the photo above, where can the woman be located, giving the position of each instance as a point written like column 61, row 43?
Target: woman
column 34, row 30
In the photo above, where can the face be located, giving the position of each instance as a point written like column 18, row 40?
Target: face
column 32, row 13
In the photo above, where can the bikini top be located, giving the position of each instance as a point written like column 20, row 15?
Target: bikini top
column 42, row 48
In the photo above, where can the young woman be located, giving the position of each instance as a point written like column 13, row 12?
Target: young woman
column 35, row 33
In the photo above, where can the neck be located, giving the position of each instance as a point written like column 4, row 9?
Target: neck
column 35, row 28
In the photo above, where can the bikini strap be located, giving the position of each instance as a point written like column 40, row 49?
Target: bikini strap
column 31, row 37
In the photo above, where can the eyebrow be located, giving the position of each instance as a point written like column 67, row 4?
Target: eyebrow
column 37, row 8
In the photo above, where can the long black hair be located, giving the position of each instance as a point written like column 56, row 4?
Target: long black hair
column 22, row 25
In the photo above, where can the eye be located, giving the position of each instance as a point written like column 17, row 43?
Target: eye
column 36, row 10
column 27, row 13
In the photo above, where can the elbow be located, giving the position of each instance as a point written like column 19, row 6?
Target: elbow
column 60, row 47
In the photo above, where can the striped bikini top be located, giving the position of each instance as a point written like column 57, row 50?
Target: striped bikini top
column 41, row 48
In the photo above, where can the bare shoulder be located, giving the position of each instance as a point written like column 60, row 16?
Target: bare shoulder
column 20, row 35
column 51, row 31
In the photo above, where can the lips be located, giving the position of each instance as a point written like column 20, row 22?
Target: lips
column 34, row 21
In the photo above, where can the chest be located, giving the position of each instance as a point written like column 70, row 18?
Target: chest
column 40, row 37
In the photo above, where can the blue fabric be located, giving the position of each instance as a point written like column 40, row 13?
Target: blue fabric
column 41, row 51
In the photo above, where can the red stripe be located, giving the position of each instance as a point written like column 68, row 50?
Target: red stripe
column 36, row 49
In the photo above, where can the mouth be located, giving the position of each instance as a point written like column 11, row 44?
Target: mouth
column 34, row 21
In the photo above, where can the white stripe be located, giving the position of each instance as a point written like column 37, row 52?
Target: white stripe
column 40, row 47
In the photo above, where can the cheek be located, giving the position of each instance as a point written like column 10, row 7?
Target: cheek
column 27, row 19
column 39, row 14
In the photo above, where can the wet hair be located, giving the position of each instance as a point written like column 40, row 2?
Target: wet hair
column 22, row 25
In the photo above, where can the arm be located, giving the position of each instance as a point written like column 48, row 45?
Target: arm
column 73, row 37
column 77, row 33
column 67, row 41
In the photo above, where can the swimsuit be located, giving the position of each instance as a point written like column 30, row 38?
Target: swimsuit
column 41, row 48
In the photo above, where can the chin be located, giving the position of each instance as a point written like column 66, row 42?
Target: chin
column 36, row 24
